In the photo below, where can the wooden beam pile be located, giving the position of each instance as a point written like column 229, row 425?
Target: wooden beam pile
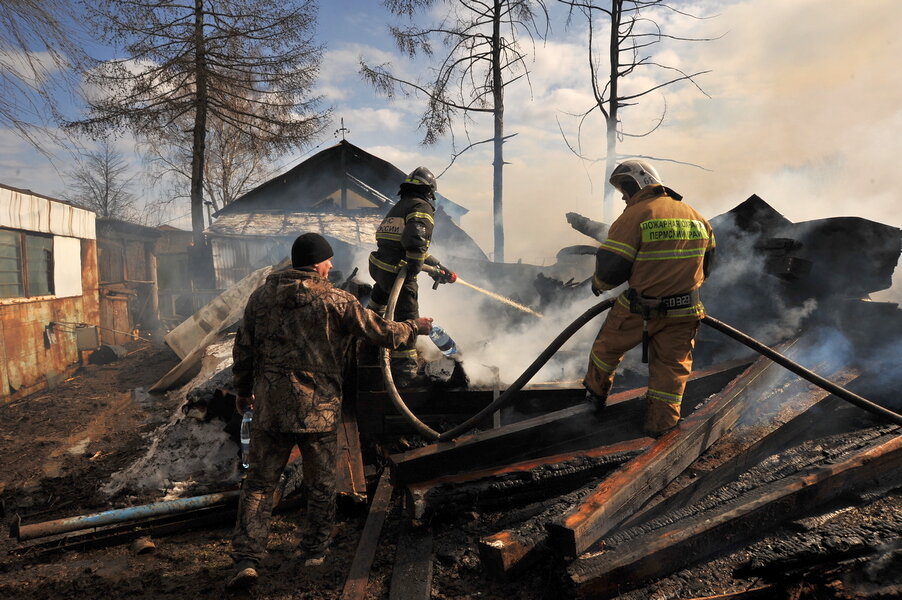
column 669, row 548
column 591, row 483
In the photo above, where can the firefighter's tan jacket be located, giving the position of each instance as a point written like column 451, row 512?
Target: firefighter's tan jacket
column 661, row 245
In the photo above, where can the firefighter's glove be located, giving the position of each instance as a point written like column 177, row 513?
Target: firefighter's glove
column 413, row 269
column 443, row 274
column 596, row 288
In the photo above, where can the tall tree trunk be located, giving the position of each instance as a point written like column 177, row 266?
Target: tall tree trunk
column 198, row 147
column 498, row 113
column 611, row 123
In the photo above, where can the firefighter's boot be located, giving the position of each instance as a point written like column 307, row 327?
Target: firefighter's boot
column 660, row 417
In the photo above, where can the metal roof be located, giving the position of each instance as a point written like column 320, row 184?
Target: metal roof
column 358, row 229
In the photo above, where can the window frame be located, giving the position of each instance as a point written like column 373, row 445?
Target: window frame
column 24, row 260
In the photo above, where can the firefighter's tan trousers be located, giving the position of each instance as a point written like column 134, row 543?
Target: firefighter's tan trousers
column 669, row 361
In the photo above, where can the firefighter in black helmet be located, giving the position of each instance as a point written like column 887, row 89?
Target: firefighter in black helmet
column 402, row 238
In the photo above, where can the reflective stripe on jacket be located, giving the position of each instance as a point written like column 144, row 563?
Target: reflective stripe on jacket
column 405, row 234
column 661, row 245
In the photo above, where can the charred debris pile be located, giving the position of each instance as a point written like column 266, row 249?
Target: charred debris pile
column 760, row 453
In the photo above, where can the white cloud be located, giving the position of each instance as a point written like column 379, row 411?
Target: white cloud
column 33, row 68
column 803, row 111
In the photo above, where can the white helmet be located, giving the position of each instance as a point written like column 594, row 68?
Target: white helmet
column 638, row 171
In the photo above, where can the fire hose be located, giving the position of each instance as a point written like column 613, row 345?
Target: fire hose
column 501, row 401
column 508, row 395
column 811, row 376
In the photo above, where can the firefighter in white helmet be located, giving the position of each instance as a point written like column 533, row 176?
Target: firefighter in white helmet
column 665, row 249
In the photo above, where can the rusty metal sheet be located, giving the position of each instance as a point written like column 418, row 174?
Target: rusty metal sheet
column 28, row 358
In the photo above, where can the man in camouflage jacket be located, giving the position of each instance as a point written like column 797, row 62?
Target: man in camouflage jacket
column 289, row 358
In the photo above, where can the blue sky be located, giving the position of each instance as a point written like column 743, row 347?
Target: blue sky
column 803, row 110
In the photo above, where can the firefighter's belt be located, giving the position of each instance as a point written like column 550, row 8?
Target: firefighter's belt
column 650, row 306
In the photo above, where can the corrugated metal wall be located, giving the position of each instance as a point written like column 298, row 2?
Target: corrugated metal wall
column 20, row 210
column 236, row 258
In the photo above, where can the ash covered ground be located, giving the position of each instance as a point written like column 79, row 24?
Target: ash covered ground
column 60, row 450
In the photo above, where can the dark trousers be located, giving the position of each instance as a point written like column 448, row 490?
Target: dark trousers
column 269, row 454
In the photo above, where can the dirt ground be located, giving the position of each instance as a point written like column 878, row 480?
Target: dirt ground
column 58, row 447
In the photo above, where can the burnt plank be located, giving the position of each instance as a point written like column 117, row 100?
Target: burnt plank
column 520, row 482
column 624, row 492
column 763, row 592
column 503, row 552
column 411, row 577
column 666, row 550
column 436, row 405
column 359, row 573
column 349, row 476
column 819, row 419
column 828, row 546
column 571, row 429
column 513, row 548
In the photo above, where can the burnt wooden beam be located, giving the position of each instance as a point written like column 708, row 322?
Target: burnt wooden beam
column 811, row 549
column 411, row 577
column 515, row 548
column 666, row 550
column 518, row 483
column 350, row 479
column 762, row 592
column 359, row 573
column 437, row 405
column 822, row 417
column 571, row 429
column 624, row 492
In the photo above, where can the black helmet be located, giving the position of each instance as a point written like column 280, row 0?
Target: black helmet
column 421, row 176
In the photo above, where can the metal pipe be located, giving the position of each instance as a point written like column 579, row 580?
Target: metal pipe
column 121, row 515
column 802, row 372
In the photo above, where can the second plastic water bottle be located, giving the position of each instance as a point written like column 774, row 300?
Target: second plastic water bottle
column 246, row 421
column 444, row 342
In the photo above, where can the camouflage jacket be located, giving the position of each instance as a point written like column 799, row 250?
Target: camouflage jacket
column 292, row 347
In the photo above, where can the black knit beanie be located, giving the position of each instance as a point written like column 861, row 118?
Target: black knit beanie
column 309, row 249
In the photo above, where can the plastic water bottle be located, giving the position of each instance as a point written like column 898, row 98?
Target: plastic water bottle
column 444, row 342
column 246, row 421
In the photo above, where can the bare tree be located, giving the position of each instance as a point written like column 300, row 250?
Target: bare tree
column 250, row 64
column 235, row 163
column 39, row 53
column 482, row 57
column 101, row 182
column 633, row 37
